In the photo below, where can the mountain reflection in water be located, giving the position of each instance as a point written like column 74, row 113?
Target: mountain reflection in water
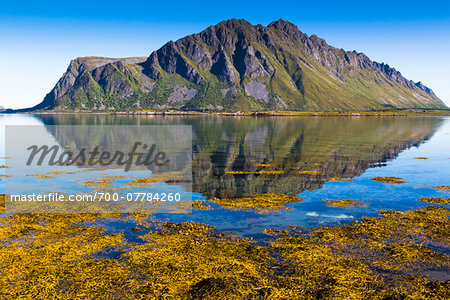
column 241, row 156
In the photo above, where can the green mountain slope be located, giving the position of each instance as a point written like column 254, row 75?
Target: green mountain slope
column 239, row 66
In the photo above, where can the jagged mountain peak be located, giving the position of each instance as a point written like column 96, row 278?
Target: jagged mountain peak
column 284, row 26
column 235, row 65
column 234, row 23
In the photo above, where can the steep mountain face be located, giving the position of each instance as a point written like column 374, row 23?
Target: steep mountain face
column 238, row 66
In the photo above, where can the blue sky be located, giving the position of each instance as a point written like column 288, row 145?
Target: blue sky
column 38, row 39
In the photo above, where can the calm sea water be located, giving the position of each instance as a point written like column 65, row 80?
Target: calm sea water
column 309, row 151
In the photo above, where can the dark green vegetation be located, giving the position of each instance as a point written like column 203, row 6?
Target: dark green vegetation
column 237, row 66
column 69, row 256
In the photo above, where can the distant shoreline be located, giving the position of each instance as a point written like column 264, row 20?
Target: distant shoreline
column 294, row 113
column 396, row 113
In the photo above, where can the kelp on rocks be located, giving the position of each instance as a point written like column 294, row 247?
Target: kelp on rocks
column 201, row 205
column 53, row 256
column 173, row 176
column 435, row 200
column 71, row 256
column 344, row 203
column 442, row 187
column 388, row 179
column 258, row 203
column 376, row 258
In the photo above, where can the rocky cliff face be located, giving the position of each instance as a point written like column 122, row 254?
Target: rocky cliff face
column 239, row 66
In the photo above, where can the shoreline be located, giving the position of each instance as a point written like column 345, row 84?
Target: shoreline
column 289, row 113
column 393, row 113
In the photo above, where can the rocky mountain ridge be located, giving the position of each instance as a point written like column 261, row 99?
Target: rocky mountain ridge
column 235, row 65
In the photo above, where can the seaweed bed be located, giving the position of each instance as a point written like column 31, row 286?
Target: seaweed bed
column 388, row 179
column 435, row 200
column 442, row 187
column 258, row 203
column 72, row 256
column 344, row 203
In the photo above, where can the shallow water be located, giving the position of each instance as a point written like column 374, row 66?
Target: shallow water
column 309, row 151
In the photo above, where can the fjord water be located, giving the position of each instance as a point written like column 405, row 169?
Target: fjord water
column 297, row 156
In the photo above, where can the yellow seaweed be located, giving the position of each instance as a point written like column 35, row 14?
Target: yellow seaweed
column 388, row 179
column 442, row 187
column 435, row 200
column 259, row 203
column 344, row 203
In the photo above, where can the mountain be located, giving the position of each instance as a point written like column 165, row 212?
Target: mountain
column 235, row 65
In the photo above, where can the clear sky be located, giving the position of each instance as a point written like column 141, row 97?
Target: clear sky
column 39, row 38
